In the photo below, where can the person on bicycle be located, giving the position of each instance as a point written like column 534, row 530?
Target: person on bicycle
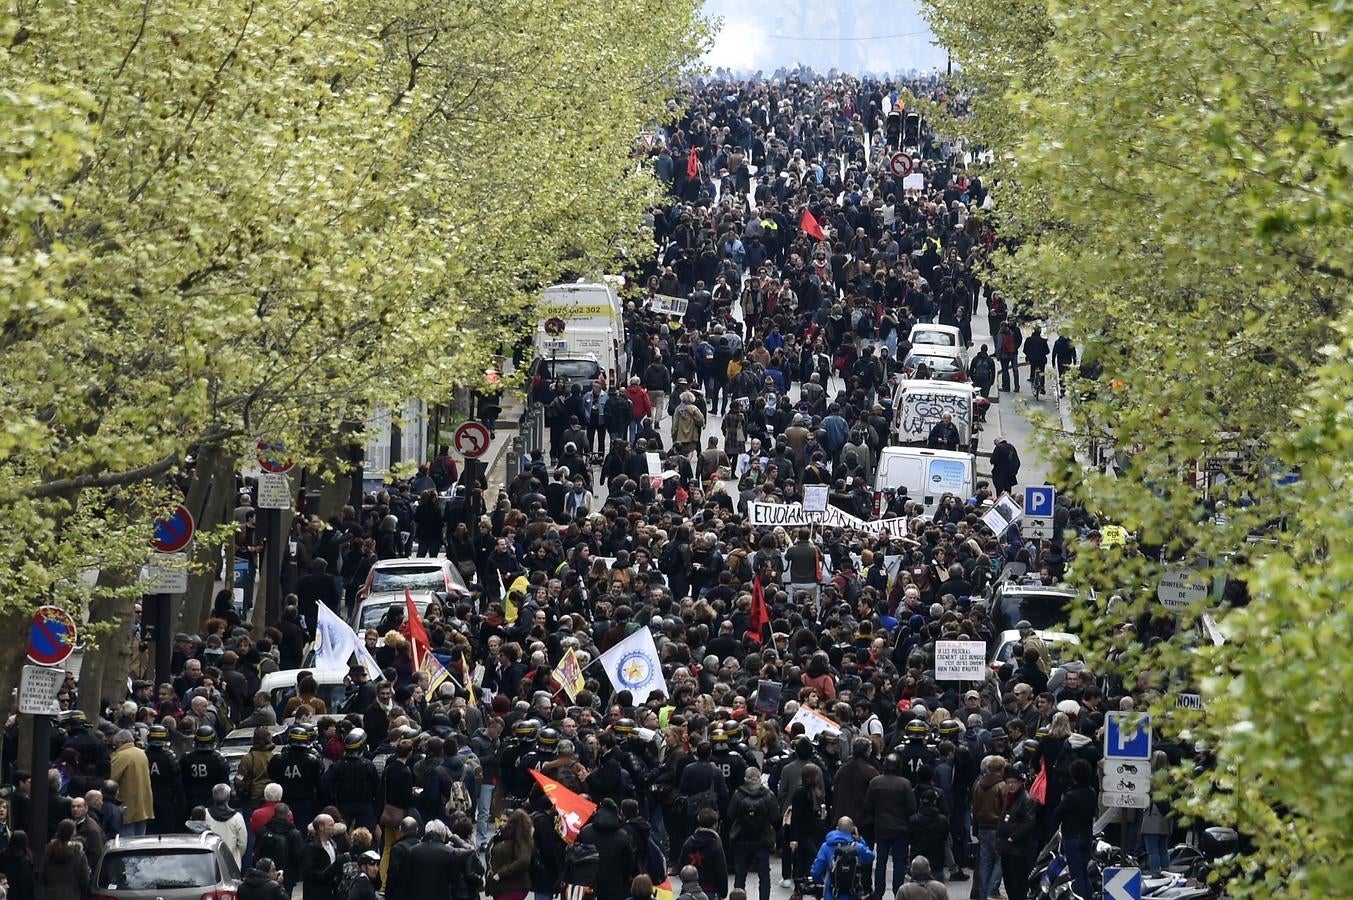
column 1063, row 358
column 1036, row 352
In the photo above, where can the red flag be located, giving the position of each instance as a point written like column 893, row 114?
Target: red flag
column 574, row 809
column 759, row 617
column 418, row 635
column 808, row 225
column 692, row 164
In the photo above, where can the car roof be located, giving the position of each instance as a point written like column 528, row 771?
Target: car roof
column 1011, row 635
column 950, row 359
column 287, row 677
column 249, row 732
column 207, row 840
column 420, row 564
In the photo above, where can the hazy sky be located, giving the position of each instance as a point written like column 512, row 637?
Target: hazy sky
column 855, row 35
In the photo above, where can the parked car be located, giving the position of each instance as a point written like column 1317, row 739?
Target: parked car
column 420, row 576
column 166, row 867
column 281, row 687
column 938, row 340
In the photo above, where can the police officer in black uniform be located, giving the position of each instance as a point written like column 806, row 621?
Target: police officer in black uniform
column 516, row 782
column 726, row 758
column 916, row 750
column 166, row 782
column 202, row 767
column 546, row 749
column 352, row 783
column 640, row 759
column 297, row 769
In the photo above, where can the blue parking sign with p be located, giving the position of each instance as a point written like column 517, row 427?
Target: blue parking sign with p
column 1038, row 501
column 1127, row 735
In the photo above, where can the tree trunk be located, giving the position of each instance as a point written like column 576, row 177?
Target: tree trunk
column 211, row 500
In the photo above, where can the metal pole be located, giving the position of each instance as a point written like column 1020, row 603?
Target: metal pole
column 164, row 638
column 38, row 787
column 273, row 551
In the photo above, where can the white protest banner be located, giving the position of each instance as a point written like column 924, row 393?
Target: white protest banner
column 813, row 722
column 815, row 498
column 654, row 463
column 761, row 514
column 673, row 306
column 914, row 182
column 1001, row 516
column 960, row 660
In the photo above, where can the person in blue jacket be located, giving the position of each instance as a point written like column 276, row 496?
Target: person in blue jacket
column 845, row 832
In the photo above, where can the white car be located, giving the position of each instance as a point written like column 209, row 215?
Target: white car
column 394, row 576
column 281, row 687
column 1062, row 647
column 938, row 340
column 370, row 611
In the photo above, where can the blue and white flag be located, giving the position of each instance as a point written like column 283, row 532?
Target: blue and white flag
column 335, row 644
column 632, row 665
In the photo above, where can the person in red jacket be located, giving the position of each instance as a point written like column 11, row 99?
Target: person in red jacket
column 640, row 403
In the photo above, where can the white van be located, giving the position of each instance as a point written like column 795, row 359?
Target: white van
column 926, row 474
column 919, row 405
column 593, row 325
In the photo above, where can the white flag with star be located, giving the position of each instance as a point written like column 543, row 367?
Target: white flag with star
column 632, row 665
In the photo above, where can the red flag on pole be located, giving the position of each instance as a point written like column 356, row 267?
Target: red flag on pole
column 759, row 617
column 574, row 809
column 692, row 164
column 418, row 635
column 809, row 226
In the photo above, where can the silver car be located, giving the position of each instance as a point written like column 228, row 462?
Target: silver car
column 167, row 867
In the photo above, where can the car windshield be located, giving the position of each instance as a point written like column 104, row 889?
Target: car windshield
column 430, row 579
column 158, row 869
column 1058, row 651
column 936, row 364
column 576, row 369
column 1045, row 611
column 333, row 696
column 935, row 337
column 372, row 613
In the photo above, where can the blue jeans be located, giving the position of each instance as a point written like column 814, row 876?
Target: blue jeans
column 1077, row 853
column 132, row 829
column 1157, row 851
column 988, row 862
column 895, row 848
column 482, row 811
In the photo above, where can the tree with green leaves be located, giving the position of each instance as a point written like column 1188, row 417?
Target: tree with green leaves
column 1172, row 180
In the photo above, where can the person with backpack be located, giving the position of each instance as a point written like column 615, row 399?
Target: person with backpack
column 281, row 841
column 547, row 864
column 753, row 813
column 618, row 858
column 842, row 862
column 982, row 371
column 928, row 827
column 1008, row 341
column 647, row 851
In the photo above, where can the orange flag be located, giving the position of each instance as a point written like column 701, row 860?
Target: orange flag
column 418, row 635
column 574, row 809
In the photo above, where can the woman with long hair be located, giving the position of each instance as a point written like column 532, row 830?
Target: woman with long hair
column 16, row 864
column 65, row 872
column 510, row 858
column 806, row 827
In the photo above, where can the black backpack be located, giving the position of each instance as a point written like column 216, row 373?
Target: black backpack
column 845, row 871
column 273, row 845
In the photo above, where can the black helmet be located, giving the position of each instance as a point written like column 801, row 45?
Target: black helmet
column 733, row 728
column 625, row 728
column 828, row 736
column 549, row 737
column 299, row 734
column 157, row 736
column 916, row 730
column 950, row 728
column 1015, row 770
column 205, row 734
column 354, row 740
column 526, row 730
column 717, row 735
column 1029, row 746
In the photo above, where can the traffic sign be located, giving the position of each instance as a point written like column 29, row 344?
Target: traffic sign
column 1122, row 883
column 1179, row 588
column 1127, row 735
column 165, row 573
column 1139, row 769
column 1125, row 801
column 51, row 637
column 1038, row 500
column 175, row 531
column 1036, row 527
column 38, row 687
column 272, row 457
column 900, row 164
column 555, row 325
column 471, row 439
column 1125, row 784
column 274, row 491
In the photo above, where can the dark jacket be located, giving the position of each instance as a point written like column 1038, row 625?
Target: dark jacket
column 705, row 851
column 1076, row 813
column 889, row 801
column 442, row 871
column 66, row 878
column 1015, row 833
column 509, row 869
column 988, row 803
column 753, row 803
column 258, row 885
column 849, row 789
column 615, row 847
column 319, row 877
column 18, row 870
column 398, row 873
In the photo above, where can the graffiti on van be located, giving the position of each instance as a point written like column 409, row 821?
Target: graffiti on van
column 919, row 411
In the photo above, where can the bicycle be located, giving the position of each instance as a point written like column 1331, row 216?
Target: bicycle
column 1037, row 381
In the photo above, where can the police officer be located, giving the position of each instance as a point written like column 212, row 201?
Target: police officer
column 726, row 758
column 166, row 782
column 203, row 767
column 546, row 749
column 93, row 751
column 640, row 759
column 297, row 769
column 516, row 782
column 351, row 783
column 915, row 751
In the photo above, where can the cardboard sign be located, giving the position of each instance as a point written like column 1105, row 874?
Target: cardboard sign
column 815, row 498
column 960, row 660
column 1001, row 516
column 814, row 722
column 768, row 697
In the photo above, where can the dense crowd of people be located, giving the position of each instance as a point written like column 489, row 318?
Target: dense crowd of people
column 800, row 718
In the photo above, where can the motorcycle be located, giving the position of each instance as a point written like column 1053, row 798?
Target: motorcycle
column 1189, row 876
